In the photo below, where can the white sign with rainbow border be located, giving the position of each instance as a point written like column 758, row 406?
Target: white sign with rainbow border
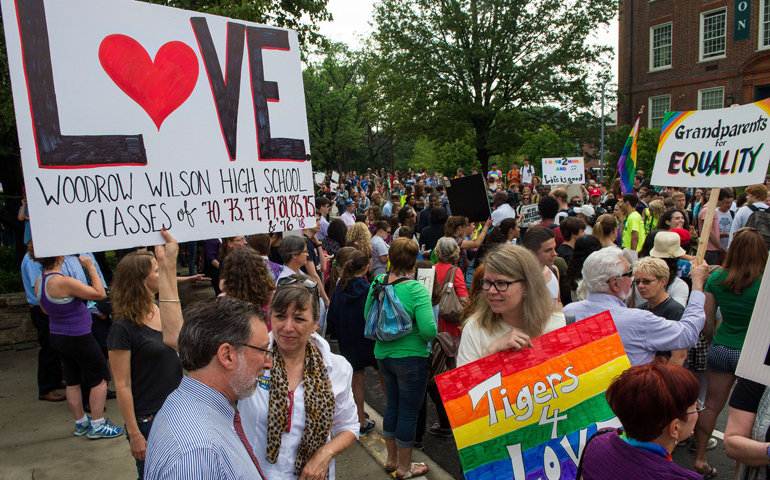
column 714, row 148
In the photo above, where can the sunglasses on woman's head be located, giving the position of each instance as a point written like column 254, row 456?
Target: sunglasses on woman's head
column 307, row 283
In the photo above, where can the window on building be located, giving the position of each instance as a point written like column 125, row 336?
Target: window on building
column 658, row 106
column 764, row 24
column 660, row 46
column 711, row 98
column 713, row 32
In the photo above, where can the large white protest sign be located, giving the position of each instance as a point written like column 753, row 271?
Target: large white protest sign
column 134, row 117
column 714, row 148
column 426, row 276
column 754, row 362
column 563, row 170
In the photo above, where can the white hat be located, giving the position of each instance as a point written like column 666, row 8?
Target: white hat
column 586, row 210
column 667, row 245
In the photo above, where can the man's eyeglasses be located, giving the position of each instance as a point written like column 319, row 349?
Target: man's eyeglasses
column 629, row 273
column 500, row 285
column 699, row 407
column 269, row 353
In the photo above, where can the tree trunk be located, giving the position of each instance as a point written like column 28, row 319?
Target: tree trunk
column 13, row 182
column 482, row 128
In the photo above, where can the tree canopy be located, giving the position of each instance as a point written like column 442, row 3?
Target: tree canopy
column 457, row 65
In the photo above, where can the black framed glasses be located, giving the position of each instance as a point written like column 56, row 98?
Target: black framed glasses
column 500, row 285
column 269, row 353
column 306, row 282
column 629, row 273
column 699, row 407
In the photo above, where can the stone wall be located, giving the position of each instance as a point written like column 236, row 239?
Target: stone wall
column 15, row 324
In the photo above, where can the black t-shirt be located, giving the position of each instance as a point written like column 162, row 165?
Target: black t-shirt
column 431, row 235
column 155, row 368
column 669, row 309
column 312, row 254
column 746, row 396
column 565, row 252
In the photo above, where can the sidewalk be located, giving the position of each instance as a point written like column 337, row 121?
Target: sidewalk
column 36, row 439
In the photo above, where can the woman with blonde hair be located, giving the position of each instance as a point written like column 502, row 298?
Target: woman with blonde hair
column 514, row 308
column 360, row 238
column 606, row 229
column 146, row 370
column 652, row 215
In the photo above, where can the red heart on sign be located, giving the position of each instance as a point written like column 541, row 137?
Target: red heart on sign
column 159, row 87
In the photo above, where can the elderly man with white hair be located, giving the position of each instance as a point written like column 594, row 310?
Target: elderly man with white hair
column 608, row 278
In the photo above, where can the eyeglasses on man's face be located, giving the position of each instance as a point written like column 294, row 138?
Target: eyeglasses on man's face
column 266, row 352
column 500, row 285
column 629, row 273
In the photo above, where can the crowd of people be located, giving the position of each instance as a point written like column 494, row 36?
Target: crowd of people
column 283, row 304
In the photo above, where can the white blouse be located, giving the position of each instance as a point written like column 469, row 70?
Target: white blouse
column 253, row 411
column 475, row 339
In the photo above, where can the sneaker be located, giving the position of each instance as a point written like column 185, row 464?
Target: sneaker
column 440, row 432
column 105, row 430
column 363, row 431
column 82, row 429
column 418, row 446
column 711, row 445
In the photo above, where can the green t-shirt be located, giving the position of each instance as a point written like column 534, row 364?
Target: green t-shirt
column 416, row 301
column 736, row 310
column 634, row 223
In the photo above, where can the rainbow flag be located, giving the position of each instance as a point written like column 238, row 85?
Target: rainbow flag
column 527, row 414
column 627, row 161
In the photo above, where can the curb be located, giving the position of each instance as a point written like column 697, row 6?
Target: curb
column 375, row 445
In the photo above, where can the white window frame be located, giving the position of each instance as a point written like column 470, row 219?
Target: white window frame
column 700, row 36
column 649, row 107
column 653, row 68
column 762, row 29
column 706, row 90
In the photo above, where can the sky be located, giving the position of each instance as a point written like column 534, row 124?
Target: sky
column 352, row 18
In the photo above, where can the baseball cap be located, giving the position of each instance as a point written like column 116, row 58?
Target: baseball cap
column 595, row 192
column 586, row 210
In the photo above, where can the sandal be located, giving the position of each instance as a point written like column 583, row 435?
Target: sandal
column 391, row 470
column 412, row 473
column 710, row 475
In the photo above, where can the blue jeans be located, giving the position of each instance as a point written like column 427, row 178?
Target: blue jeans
column 192, row 248
column 406, row 381
column 144, row 427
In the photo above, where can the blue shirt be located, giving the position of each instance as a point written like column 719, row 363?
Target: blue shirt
column 30, row 270
column 193, row 437
column 642, row 332
column 72, row 268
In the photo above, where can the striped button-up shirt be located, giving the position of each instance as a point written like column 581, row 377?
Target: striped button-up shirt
column 193, row 437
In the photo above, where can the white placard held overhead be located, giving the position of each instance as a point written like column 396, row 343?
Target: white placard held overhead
column 717, row 148
column 319, row 178
column 335, row 177
column 134, row 117
column 754, row 362
column 563, row 170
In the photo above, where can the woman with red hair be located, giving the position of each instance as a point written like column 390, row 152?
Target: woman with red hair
column 657, row 404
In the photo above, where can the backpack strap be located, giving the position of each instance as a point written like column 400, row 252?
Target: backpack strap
column 753, row 208
column 570, row 318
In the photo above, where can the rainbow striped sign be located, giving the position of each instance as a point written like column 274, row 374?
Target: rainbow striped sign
column 526, row 415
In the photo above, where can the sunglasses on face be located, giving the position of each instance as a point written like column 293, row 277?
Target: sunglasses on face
column 629, row 273
column 646, row 283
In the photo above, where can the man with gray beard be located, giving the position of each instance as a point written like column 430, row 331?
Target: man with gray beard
column 608, row 278
column 223, row 345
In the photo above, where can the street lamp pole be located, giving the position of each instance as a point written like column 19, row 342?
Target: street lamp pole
column 601, row 153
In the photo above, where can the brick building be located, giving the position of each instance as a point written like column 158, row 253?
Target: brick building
column 691, row 54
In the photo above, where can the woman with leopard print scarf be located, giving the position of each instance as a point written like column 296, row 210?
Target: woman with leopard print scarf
column 305, row 397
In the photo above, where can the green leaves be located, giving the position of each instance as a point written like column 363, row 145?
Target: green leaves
column 461, row 64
